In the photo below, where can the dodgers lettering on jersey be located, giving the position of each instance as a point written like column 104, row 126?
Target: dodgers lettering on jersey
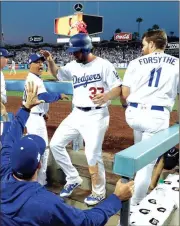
column 98, row 76
column 85, row 80
column 153, row 79
column 43, row 107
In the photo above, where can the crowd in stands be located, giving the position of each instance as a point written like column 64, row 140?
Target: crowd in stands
column 114, row 55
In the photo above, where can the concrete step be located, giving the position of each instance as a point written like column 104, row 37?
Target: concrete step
column 86, row 185
column 77, row 200
column 79, row 158
column 56, row 175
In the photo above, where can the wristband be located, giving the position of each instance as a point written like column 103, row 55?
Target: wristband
column 26, row 109
column 124, row 105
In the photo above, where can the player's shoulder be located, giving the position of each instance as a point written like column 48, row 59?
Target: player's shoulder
column 136, row 60
column 32, row 77
column 104, row 62
column 70, row 64
column 170, row 56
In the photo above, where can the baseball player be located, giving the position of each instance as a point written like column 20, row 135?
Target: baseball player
column 13, row 68
column 4, row 55
column 36, row 123
column 95, row 83
column 150, row 87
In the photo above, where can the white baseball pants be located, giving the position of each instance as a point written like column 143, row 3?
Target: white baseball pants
column 145, row 123
column 37, row 125
column 92, row 125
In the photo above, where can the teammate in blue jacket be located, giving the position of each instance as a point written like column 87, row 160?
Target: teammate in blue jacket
column 23, row 200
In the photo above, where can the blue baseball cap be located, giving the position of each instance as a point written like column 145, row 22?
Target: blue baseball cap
column 35, row 57
column 5, row 53
column 26, row 155
column 80, row 41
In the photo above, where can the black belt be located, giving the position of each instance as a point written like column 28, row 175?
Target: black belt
column 153, row 107
column 88, row 108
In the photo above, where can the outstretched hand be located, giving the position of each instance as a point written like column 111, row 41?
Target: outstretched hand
column 4, row 113
column 32, row 99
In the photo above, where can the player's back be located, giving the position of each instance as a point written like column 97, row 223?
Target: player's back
column 154, row 79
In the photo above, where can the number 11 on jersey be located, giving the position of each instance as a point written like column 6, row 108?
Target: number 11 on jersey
column 154, row 72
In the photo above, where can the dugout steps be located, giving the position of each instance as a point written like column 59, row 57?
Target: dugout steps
column 56, row 181
column 56, row 176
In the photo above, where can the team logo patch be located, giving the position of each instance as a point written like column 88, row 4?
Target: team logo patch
column 38, row 157
column 116, row 74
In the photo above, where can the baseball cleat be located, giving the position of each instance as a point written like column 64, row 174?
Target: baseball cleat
column 94, row 199
column 68, row 189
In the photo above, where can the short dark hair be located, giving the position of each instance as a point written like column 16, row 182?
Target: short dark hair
column 159, row 37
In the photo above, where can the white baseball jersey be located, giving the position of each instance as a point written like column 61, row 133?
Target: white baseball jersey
column 3, row 89
column 97, row 76
column 13, row 64
column 153, row 79
column 43, row 107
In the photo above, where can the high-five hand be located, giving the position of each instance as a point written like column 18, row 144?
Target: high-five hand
column 32, row 99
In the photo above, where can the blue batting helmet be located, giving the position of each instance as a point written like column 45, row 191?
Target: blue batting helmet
column 80, row 42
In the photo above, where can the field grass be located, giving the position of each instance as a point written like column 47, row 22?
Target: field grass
column 46, row 76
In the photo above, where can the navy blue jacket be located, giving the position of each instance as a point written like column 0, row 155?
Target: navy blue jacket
column 26, row 203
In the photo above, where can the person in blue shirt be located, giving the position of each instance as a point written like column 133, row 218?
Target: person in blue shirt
column 24, row 201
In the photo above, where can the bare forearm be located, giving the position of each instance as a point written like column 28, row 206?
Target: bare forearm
column 123, row 100
column 113, row 93
column 52, row 67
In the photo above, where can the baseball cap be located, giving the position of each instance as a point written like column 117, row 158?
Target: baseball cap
column 80, row 41
column 26, row 155
column 5, row 53
column 35, row 57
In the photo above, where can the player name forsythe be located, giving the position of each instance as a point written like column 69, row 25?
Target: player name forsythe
column 85, row 80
